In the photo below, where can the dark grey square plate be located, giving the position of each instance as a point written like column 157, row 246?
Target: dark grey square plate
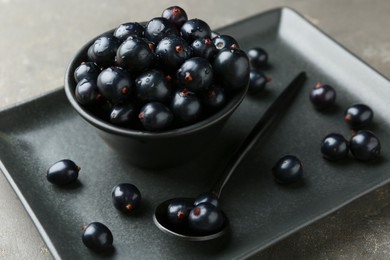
column 36, row 134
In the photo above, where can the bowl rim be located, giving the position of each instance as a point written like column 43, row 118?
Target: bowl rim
column 70, row 85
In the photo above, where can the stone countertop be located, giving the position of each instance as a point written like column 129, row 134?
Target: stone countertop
column 38, row 39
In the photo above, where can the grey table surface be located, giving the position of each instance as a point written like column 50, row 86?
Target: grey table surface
column 38, row 39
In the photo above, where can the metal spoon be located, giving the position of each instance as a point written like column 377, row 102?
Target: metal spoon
column 270, row 115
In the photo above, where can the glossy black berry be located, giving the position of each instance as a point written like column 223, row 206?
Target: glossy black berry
column 195, row 28
column 103, row 50
column 257, row 81
column 231, row 68
column 122, row 114
column 87, row 92
column 171, row 52
column 178, row 212
column 176, row 15
column 214, row 98
column 115, row 84
column 155, row 116
column 186, row 106
column 322, row 96
column 258, row 57
column 358, row 116
column 204, row 48
column 63, row 172
column 205, row 218
column 288, row 169
column 126, row 197
column 152, row 85
column 225, row 42
column 158, row 28
column 134, row 55
column 334, row 147
column 86, row 70
column 195, row 74
column 97, row 237
column 208, row 197
column 365, row 145
column 128, row 29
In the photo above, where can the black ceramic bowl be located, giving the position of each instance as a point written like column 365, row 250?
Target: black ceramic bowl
column 150, row 149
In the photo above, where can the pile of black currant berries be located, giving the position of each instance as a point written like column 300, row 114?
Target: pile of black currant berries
column 170, row 72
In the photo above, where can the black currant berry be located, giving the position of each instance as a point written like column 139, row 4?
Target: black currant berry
column 152, row 85
column 97, row 237
column 214, row 98
column 204, row 48
column 195, row 28
column 205, row 218
column 322, row 96
column 158, row 28
column 334, row 147
column 231, row 68
column 122, row 114
column 195, row 74
column 171, row 52
column 358, row 116
column 63, row 172
column 176, row 15
column 126, row 197
column 87, row 92
column 134, row 55
column 186, row 106
column 288, row 169
column 155, row 116
column 257, row 81
column 225, row 42
column 258, row 57
column 115, row 84
column 128, row 29
column 87, row 70
column 103, row 50
column 178, row 211
column 365, row 145
column 208, row 197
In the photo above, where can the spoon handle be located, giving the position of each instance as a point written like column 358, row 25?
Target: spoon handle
column 269, row 116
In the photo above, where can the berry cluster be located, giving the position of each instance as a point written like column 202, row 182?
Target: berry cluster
column 364, row 144
column 126, row 197
column 170, row 72
column 203, row 216
column 258, row 60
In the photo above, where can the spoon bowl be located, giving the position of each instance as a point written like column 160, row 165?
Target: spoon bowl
column 161, row 221
column 281, row 103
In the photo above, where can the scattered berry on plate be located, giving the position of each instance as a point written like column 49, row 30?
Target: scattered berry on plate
column 358, row 116
column 258, row 57
column 322, row 96
column 288, row 169
column 257, row 81
column 126, row 197
column 97, row 237
column 365, row 145
column 63, row 172
column 334, row 147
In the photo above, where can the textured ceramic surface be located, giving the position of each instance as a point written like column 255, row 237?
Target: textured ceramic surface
column 261, row 212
